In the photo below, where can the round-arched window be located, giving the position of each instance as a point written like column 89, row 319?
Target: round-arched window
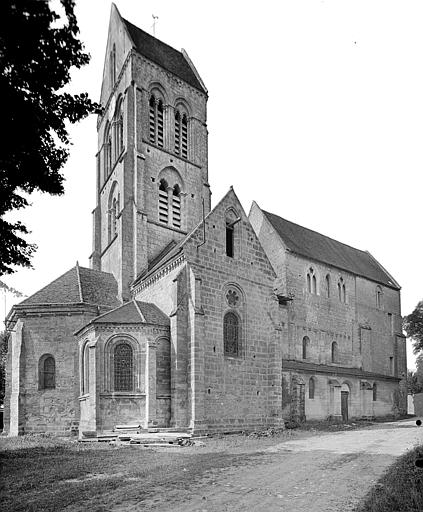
column 123, row 367
column 231, row 334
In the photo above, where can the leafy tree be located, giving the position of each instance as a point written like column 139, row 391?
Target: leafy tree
column 414, row 384
column 38, row 48
column 413, row 326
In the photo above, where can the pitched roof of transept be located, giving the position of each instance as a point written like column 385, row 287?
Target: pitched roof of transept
column 318, row 247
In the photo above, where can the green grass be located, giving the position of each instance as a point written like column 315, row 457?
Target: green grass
column 400, row 489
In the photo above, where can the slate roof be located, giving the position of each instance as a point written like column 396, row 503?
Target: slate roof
column 315, row 246
column 78, row 285
column 134, row 312
column 164, row 55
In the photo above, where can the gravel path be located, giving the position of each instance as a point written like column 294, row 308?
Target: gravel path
column 323, row 473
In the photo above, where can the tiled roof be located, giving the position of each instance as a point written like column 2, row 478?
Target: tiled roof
column 337, row 371
column 134, row 312
column 315, row 246
column 78, row 285
column 164, row 55
column 98, row 287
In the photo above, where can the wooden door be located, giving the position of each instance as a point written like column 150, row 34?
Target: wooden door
column 344, row 405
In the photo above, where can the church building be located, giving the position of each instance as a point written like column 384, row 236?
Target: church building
column 192, row 318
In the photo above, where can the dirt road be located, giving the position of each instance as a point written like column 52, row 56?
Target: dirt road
column 323, row 473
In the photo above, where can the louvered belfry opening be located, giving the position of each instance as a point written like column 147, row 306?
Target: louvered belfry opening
column 163, row 202
column 184, row 142
column 123, row 367
column 177, row 132
column 176, row 206
column 152, row 119
column 160, row 123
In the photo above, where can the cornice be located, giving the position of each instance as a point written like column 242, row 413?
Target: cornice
column 161, row 272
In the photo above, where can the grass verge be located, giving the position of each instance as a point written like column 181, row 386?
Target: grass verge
column 400, row 489
column 42, row 473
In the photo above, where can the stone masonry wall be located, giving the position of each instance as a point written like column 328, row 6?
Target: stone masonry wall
column 51, row 410
column 323, row 319
column 241, row 391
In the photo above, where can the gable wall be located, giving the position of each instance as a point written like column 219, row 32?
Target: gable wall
column 244, row 390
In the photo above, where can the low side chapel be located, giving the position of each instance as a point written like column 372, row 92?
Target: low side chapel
column 193, row 318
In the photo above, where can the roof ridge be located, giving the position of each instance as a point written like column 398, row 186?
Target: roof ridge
column 108, row 312
column 149, row 35
column 314, row 231
column 47, row 285
column 78, row 277
column 139, row 310
column 395, row 282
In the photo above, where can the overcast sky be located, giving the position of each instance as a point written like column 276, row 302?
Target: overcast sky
column 315, row 112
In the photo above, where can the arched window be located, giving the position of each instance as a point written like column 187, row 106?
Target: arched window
column 152, row 104
column 113, row 212
column 156, row 120
column 176, row 206
column 177, row 132
column 123, row 367
column 107, row 150
column 306, row 342
column 342, row 291
column 374, row 392
column 334, row 354
column 378, row 297
column 231, row 220
column 163, row 202
column 184, row 141
column 327, row 282
column 231, row 334
column 114, row 217
column 311, row 388
column 229, row 239
column 119, row 129
column 181, row 134
column 311, row 281
column 86, row 369
column 47, row 372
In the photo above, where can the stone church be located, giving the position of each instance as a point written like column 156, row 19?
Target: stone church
column 194, row 318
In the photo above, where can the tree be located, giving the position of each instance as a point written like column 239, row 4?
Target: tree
column 37, row 50
column 414, row 384
column 413, row 326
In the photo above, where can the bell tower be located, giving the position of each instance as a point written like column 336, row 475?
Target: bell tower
column 152, row 175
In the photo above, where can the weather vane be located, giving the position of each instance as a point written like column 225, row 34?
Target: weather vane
column 155, row 18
